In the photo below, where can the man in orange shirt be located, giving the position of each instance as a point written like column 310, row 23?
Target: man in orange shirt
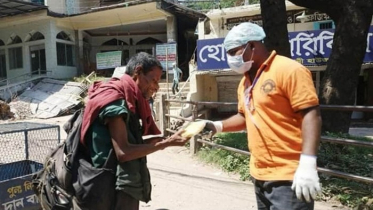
column 279, row 108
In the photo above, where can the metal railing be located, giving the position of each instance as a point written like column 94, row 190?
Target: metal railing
column 30, row 75
column 195, row 143
column 7, row 85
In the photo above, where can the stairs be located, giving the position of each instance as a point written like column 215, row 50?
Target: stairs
column 183, row 90
column 174, row 106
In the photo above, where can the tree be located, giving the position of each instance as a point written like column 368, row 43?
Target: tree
column 352, row 20
column 206, row 5
column 275, row 25
column 233, row 3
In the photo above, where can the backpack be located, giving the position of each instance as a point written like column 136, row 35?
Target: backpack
column 68, row 176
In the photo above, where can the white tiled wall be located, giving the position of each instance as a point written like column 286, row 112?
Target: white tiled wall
column 49, row 30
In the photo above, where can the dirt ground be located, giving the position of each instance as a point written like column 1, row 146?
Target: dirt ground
column 181, row 182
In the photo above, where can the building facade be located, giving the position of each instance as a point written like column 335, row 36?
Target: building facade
column 61, row 38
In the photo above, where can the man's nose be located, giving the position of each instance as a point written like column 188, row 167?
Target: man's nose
column 156, row 87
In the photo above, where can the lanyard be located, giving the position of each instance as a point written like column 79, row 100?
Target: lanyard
column 249, row 90
column 248, row 96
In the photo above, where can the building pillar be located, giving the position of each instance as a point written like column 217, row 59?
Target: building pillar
column 79, row 56
column 171, row 29
column 51, row 49
column 201, row 28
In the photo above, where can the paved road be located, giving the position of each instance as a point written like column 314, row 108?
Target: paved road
column 181, row 182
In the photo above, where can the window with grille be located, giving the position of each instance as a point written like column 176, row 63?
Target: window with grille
column 41, row 2
column 36, row 36
column 15, row 58
column 324, row 25
column 65, row 54
column 63, row 36
column 327, row 25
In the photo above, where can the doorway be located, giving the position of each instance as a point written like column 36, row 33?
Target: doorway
column 3, row 74
column 38, row 63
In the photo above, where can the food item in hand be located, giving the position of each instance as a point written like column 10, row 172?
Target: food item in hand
column 193, row 129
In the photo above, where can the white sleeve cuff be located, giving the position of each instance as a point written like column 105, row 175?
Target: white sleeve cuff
column 307, row 160
column 219, row 126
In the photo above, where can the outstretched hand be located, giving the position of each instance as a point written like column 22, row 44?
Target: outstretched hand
column 213, row 127
column 176, row 139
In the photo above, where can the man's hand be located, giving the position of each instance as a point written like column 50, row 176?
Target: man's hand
column 306, row 180
column 176, row 139
column 154, row 140
column 214, row 127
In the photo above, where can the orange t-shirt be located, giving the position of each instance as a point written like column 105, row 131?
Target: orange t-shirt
column 272, row 119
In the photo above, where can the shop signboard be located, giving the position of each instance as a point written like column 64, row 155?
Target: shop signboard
column 311, row 48
column 311, row 16
column 166, row 53
column 107, row 60
column 211, row 54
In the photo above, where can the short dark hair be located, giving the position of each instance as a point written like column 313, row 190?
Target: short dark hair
column 143, row 59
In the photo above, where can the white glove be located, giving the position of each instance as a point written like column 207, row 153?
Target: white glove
column 214, row 126
column 306, row 180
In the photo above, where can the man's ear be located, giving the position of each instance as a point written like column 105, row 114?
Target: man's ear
column 137, row 72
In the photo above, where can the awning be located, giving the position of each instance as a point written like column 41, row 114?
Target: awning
column 181, row 11
column 115, row 16
column 132, row 12
column 16, row 7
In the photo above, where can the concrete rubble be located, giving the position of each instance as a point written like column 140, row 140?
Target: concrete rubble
column 48, row 98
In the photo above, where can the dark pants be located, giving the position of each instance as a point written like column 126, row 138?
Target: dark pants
column 278, row 195
column 175, row 86
column 126, row 202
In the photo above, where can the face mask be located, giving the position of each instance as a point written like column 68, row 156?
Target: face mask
column 238, row 65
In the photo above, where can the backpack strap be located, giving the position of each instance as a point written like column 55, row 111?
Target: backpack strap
column 111, row 161
column 72, row 128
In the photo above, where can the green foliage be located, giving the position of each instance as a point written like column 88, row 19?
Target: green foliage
column 203, row 6
column 348, row 159
column 83, row 80
column 233, row 3
column 230, row 3
column 349, row 193
column 206, row 6
column 93, row 78
column 345, row 158
column 228, row 161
